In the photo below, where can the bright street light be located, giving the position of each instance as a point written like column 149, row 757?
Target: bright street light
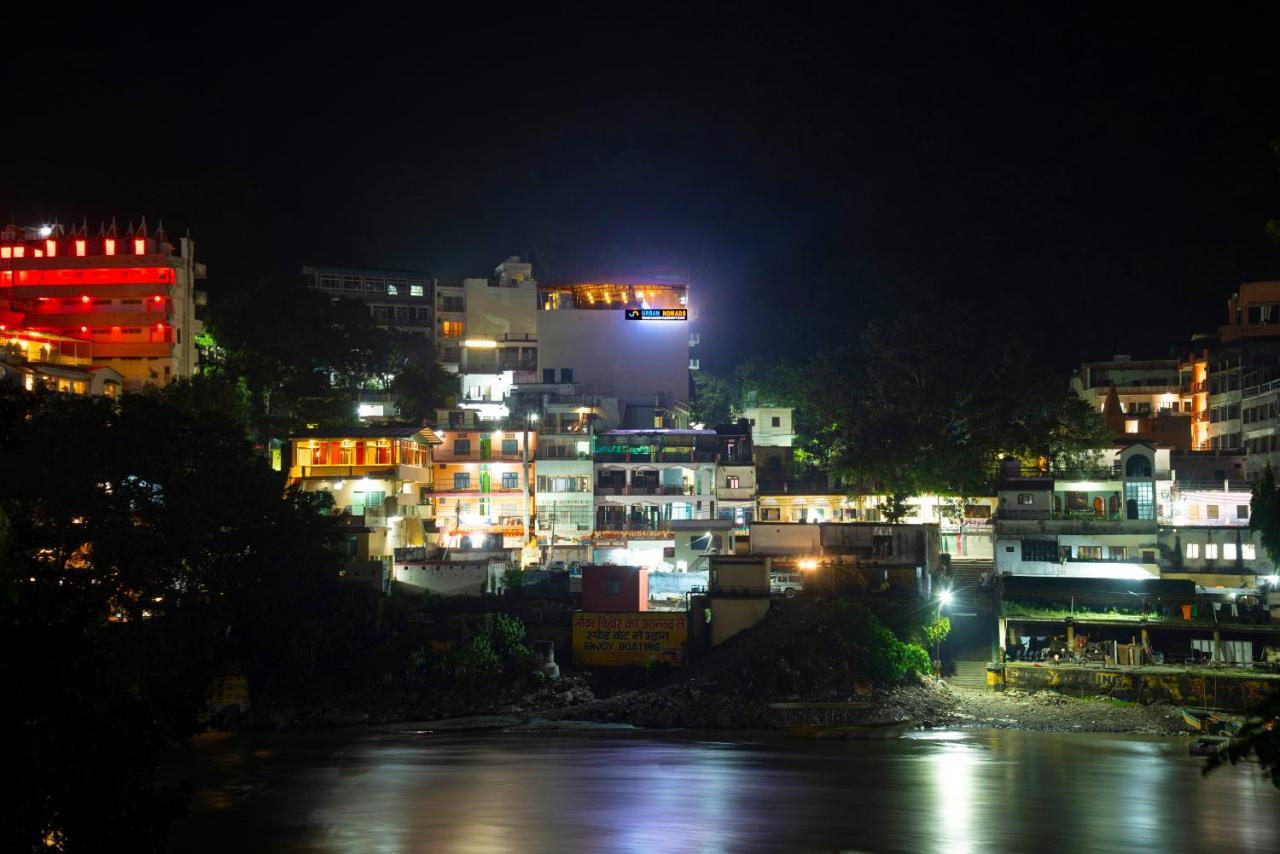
column 945, row 597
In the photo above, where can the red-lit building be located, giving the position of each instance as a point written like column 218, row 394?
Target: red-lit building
column 132, row 295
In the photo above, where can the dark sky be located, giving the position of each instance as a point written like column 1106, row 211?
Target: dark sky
column 1104, row 178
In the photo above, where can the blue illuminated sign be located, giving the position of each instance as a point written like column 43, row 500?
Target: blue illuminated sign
column 657, row 313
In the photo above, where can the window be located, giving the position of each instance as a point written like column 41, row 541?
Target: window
column 392, row 290
column 379, row 312
column 461, row 480
column 402, row 312
column 350, row 283
column 510, row 447
column 1088, row 552
column 1118, row 552
column 1248, row 551
column 1228, row 551
column 1242, row 511
column 731, row 482
column 329, row 282
column 461, row 447
column 451, row 329
column 566, row 375
column 1210, row 551
column 1148, row 557
column 1026, row 498
column 422, row 313
column 375, row 286
column 415, row 290
column 776, row 421
column 1193, row 550
column 770, row 514
column 1138, row 465
column 753, row 422
column 1140, row 498
column 510, row 480
column 1211, row 511
column 1041, row 550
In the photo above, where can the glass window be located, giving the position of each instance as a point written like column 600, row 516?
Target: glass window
column 1088, row 552
column 1211, row 511
column 451, row 329
column 415, row 290
column 1228, row 551
column 769, row 514
column 461, row 447
column 1026, row 498
column 731, row 481
column 510, row 480
column 1248, row 551
column 1118, row 552
column 1210, row 551
column 1040, row 550
column 1242, row 511
column 510, row 447
column 392, row 290
column 461, row 480
column 1193, row 550
column 402, row 312
column 351, row 283
column 421, row 313
column 374, row 285
column 1140, row 499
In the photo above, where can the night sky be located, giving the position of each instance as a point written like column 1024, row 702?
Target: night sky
column 1105, row 179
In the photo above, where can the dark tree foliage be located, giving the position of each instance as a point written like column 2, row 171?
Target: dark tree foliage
column 144, row 548
column 421, row 388
column 301, row 357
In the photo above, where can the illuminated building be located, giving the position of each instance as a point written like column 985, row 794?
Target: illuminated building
column 1143, row 400
column 1143, row 513
column 1193, row 379
column 482, row 479
column 399, row 300
column 649, row 485
column 624, row 339
column 488, row 325
column 380, row 478
column 772, row 436
column 33, row 359
column 129, row 294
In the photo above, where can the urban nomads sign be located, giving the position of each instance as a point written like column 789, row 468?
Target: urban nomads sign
column 657, row 313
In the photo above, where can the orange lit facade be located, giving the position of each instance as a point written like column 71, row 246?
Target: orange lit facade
column 131, row 296
column 482, row 481
column 1194, row 373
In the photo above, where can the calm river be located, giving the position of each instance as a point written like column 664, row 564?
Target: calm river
column 614, row 791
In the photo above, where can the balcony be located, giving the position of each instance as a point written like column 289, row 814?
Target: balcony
column 649, row 489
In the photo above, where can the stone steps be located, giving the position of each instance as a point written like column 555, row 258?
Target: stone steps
column 969, row 674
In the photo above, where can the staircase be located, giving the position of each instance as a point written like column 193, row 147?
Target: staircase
column 969, row 674
column 971, row 597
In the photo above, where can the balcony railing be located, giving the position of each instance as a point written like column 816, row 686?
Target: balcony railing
column 645, row 489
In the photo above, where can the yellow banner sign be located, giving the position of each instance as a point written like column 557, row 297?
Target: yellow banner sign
column 604, row 639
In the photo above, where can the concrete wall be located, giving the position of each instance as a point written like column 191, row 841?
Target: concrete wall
column 1192, row 689
column 730, row 616
column 493, row 312
column 472, row 578
column 665, row 584
column 615, row 357
column 615, row 588
column 770, row 539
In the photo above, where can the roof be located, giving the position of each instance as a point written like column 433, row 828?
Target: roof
column 367, row 432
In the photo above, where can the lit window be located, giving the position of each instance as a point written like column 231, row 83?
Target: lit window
column 50, row 248
column 1131, row 426
column 1228, row 551
column 461, row 480
column 1210, row 551
column 1248, row 551
column 415, row 290
column 1026, row 498
column 451, row 329
column 392, row 290
column 510, row 480
column 1211, row 511
column 1193, row 550
column 108, row 246
column 80, row 248
column 510, row 447
column 732, row 481
column 139, row 246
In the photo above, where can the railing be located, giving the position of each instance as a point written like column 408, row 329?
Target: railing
column 662, row 457
column 633, row 489
column 1226, row 485
column 616, row 525
column 798, row 487
column 1063, row 516
column 1254, row 391
column 545, row 453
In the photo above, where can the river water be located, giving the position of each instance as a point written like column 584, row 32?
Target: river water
column 613, row 791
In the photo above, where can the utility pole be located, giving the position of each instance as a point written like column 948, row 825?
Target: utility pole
column 524, row 454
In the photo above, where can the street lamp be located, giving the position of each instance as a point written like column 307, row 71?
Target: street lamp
column 945, row 597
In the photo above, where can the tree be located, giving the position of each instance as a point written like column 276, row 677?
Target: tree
column 421, row 388
column 715, row 399
column 152, row 551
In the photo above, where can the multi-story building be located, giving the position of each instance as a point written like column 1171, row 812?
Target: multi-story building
column 736, row 476
column 40, row 359
column 622, row 339
column 132, row 297
column 483, row 478
column 1140, row 400
column 1144, row 513
column 648, row 482
column 772, row 438
column 1245, row 354
column 380, row 478
column 1193, row 379
column 399, row 300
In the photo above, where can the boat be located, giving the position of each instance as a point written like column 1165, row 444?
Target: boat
column 1208, row 722
column 1208, row 745
column 881, row 731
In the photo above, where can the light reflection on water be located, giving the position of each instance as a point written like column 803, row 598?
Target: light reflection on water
column 635, row 792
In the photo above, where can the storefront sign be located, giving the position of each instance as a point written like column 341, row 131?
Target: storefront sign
column 612, row 640
column 657, row 313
